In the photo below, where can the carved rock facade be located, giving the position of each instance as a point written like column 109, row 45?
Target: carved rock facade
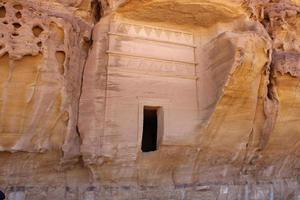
column 77, row 77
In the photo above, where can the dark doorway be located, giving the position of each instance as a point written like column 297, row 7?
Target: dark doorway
column 149, row 139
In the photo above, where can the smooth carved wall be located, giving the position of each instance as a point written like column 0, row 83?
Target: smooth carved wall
column 161, row 62
column 132, row 66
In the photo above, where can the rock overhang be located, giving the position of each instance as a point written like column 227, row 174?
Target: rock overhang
column 186, row 13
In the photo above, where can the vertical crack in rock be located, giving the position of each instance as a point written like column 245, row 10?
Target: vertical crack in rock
column 88, row 44
column 280, row 20
column 271, row 100
column 90, row 160
column 271, row 108
column 260, row 134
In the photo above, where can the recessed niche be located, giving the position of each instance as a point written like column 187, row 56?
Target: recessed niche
column 18, row 15
column 58, row 32
column 15, row 34
column 37, row 30
column 2, row 11
column 18, row 6
column 17, row 25
column 39, row 44
column 85, row 44
column 60, row 57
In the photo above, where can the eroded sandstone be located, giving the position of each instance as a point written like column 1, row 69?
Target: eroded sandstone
column 76, row 77
column 42, row 58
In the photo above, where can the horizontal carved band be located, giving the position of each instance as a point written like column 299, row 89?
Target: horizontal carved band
column 148, row 57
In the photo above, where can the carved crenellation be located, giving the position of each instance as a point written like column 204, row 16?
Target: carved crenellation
column 124, row 54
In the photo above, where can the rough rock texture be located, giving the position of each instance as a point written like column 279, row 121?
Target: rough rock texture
column 76, row 75
column 42, row 59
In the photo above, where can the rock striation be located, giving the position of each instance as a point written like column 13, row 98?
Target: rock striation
column 221, row 79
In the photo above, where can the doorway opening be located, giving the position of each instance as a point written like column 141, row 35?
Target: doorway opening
column 150, row 129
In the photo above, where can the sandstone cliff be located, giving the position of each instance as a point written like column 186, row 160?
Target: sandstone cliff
column 76, row 75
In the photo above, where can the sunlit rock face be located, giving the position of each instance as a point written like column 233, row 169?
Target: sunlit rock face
column 39, row 97
column 149, row 99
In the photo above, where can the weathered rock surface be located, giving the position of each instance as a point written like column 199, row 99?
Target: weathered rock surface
column 77, row 75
